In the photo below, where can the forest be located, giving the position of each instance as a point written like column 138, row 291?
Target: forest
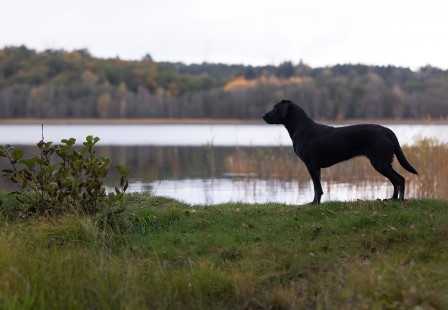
column 75, row 84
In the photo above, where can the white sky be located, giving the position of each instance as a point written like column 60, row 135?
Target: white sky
column 320, row 32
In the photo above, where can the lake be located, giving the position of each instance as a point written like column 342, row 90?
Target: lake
column 210, row 164
column 189, row 135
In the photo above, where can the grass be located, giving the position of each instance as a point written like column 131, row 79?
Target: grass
column 168, row 255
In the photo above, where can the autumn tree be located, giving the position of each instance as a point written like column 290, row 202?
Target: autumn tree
column 103, row 105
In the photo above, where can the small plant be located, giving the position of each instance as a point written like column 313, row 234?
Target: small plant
column 62, row 179
column 109, row 215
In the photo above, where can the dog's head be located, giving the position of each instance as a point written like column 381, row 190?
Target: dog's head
column 278, row 113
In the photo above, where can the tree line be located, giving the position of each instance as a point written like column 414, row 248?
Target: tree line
column 74, row 84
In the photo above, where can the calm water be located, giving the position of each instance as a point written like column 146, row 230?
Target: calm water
column 209, row 164
column 189, row 135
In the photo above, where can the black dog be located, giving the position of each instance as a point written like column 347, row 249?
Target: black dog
column 320, row 146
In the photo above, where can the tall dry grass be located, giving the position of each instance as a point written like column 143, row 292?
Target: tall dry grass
column 428, row 157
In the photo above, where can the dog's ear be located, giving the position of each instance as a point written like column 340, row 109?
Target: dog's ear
column 285, row 108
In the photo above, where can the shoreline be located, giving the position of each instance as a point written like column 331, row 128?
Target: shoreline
column 205, row 121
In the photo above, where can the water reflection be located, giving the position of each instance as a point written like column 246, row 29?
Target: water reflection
column 211, row 174
column 213, row 191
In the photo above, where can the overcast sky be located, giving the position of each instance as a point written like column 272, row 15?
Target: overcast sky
column 320, row 32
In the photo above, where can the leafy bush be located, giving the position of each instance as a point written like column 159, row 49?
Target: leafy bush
column 63, row 179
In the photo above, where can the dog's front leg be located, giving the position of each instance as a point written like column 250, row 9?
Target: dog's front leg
column 315, row 176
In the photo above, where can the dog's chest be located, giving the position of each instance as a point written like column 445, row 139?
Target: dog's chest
column 300, row 152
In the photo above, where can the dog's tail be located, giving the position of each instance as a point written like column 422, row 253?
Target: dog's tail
column 400, row 156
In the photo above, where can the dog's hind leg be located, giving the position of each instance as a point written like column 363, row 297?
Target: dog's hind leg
column 402, row 185
column 394, row 177
column 315, row 177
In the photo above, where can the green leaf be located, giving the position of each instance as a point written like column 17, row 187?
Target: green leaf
column 70, row 142
column 39, row 161
column 17, row 154
column 123, row 171
column 30, row 163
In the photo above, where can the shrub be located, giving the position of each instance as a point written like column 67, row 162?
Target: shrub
column 63, row 179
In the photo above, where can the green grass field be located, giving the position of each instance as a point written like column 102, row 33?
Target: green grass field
column 163, row 254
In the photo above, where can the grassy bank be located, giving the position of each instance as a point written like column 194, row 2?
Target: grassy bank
column 163, row 254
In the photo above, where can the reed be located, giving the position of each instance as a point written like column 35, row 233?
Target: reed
column 427, row 156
